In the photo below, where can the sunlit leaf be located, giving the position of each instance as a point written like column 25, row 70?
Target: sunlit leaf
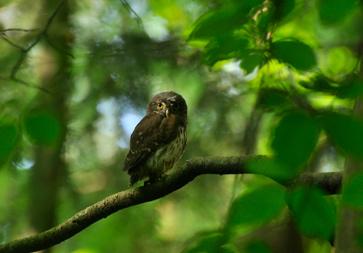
column 271, row 168
column 339, row 61
column 353, row 191
column 334, row 11
column 223, row 20
column 258, row 206
column 250, row 61
column 295, row 138
column 8, row 138
column 345, row 132
column 42, row 126
column 295, row 53
column 312, row 212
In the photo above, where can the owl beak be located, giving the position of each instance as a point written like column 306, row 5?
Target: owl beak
column 167, row 113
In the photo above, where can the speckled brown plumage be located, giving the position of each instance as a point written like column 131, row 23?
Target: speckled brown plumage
column 159, row 139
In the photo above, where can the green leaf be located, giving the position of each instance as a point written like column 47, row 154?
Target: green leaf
column 257, row 247
column 229, row 248
column 270, row 168
column 8, row 139
column 42, row 127
column 353, row 191
column 345, row 132
column 272, row 99
column 312, row 212
column 295, row 53
column 250, row 61
column 263, row 22
column 334, row 11
column 210, row 243
column 282, row 8
column 225, row 47
column 225, row 19
column 295, row 138
column 258, row 206
column 350, row 88
column 320, row 83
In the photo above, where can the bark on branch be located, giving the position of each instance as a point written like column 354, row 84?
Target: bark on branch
column 330, row 182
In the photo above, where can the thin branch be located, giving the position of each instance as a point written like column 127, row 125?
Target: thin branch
column 134, row 196
column 11, row 43
column 33, row 86
column 37, row 39
column 128, row 7
column 59, row 49
column 17, row 30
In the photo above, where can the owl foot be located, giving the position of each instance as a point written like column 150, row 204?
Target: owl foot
column 154, row 178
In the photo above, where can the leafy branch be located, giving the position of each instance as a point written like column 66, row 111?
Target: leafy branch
column 330, row 182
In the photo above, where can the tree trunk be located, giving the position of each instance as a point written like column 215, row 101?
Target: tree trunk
column 49, row 167
column 350, row 219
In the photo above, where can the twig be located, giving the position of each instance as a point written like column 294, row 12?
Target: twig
column 17, row 80
column 60, row 50
column 3, row 36
column 17, row 30
column 128, row 7
column 37, row 39
column 218, row 165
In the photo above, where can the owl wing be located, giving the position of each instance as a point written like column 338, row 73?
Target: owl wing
column 149, row 135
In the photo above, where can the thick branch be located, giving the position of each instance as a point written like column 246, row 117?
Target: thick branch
column 130, row 197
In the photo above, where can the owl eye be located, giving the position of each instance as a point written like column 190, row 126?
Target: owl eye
column 160, row 105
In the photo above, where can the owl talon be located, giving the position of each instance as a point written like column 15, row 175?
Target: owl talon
column 154, row 179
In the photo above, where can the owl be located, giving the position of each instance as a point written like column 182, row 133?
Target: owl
column 159, row 139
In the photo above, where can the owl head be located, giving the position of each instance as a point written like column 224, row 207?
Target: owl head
column 167, row 103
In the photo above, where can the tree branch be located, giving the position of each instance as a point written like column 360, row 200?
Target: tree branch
column 134, row 196
column 128, row 7
column 11, row 43
column 38, row 38
column 17, row 30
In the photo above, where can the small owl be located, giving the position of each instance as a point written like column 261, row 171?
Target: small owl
column 159, row 139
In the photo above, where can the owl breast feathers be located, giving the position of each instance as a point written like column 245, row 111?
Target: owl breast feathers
column 159, row 139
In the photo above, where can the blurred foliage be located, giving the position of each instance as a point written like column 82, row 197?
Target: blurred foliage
column 295, row 53
column 8, row 137
column 42, row 127
column 337, row 125
column 257, row 247
column 305, row 136
column 284, row 74
column 314, row 215
column 258, row 206
column 352, row 194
